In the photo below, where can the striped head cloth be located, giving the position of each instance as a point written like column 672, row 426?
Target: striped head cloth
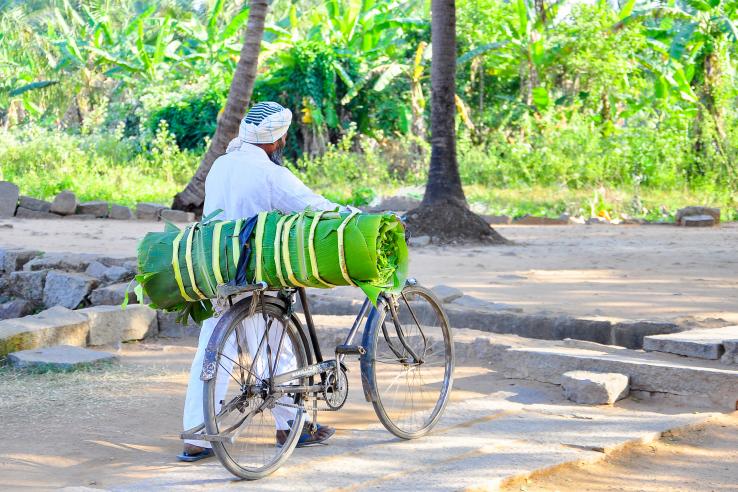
column 266, row 122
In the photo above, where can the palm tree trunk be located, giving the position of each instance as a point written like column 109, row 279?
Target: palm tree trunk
column 444, row 182
column 239, row 96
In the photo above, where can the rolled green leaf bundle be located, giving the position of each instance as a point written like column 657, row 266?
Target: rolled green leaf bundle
column 180, row 270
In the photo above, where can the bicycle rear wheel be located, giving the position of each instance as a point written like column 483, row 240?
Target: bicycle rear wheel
column 238, row 402
column 409, row 395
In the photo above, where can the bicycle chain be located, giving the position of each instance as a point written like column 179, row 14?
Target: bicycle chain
column 303, row 407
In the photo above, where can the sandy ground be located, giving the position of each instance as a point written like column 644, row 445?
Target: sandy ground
column 701, row 457
column 630, row 272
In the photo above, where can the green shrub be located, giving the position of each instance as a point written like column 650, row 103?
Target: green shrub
column 191, row 120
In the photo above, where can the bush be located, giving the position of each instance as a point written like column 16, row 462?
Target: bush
column 191, row 120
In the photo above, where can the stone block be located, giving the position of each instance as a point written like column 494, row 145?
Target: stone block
column 112, row 324
column 497, row 219
column 34, row 204
column 73, row 262
column 108, row 273
column 24, row 213
column 99, row 209
column 698, row 221
column 630, row 334
column 12, row 260
column 9, row 195
column 28, row 285
column 731, row 352
column 17, row 308
column 687, row 211
column 447, row 294
column 148, row 211
column 177, row 216
column 593, row 388
column 701, row 344
column 120, row 212
column 61, row 357
column 68, row 289
column 533, row 220
column 65, row 203
column 169, row 328
column 112, row 295
column 55, row 326
column 79, row 217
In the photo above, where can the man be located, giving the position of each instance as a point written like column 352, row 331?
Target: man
column 247, row 180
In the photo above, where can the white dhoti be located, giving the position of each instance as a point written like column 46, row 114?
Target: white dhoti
column 253, row 330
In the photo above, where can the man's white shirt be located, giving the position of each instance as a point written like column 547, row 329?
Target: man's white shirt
column 245, row 182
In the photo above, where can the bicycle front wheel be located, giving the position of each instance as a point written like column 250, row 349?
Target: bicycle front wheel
column 260, row 427
column 409, row 392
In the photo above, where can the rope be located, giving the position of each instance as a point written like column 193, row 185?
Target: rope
column 341, row 251
column 311, row 250
column 175, row 266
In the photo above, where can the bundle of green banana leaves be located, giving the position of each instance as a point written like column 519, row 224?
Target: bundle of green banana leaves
column 180, row 270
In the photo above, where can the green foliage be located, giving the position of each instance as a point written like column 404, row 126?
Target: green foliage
column 191, row 120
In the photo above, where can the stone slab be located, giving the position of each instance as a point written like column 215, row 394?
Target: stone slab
column 24, row 213
column 630, row 334
column 594, row 388
column 533, row 220
column 698, row 221
column 12, row 260
column 68, row 289
column 447, row 294
column 731, row 352
column 702, row 344
column 34, row 204
column 55, row 326
column 697, row 210
column 9, row 194
column 112, row 324
column 28, row 285
column 176, row 216
column 169, row 328
column 71, row 262
column 65, row 203
column 112, row 295
column 149, row 211
column 17, row 308
column 60, row 357
column 120, row 212
column 98, row 208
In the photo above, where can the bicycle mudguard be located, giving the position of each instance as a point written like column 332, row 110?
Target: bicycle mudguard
column 211, row 351
column 370, row 391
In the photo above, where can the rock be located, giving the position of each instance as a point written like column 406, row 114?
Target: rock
column 593, row 388
column 119, row 212
column 108, row 273
column 116, row 260
column 447, row 294
column 79, row 217
column 731, row 352
column 12, row 260
column 497, row 219
column 702, row 344
column 177, row 215
column 148, row 211
column 169, row 328
column 112, row 324
column 34, row 204
column 67, row 289
column 112, row 295
column 16, row 308
column 9, row 194
column 61, row 357
column 97, row 208
column 24, row 213
column 577, row 220
column 596, row 220
column 472, row 302
column 55, row 326
column 630, row 334
column 698, row 221
column 692, row 211
column 65, row 203
column 74, row 262
column 419, row 241
column 532, row 220
column 28, row 285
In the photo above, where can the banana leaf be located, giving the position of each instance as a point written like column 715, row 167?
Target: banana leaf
column 179, row 270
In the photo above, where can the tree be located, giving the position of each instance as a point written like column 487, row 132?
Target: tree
column 239, row 96
column 444, row 213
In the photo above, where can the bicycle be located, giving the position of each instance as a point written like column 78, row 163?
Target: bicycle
column 260, row 376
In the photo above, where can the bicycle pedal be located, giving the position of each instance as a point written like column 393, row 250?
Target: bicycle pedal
column 350, row 350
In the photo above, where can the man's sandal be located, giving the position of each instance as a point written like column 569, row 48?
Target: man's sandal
column 189, row 458
column 308, row 436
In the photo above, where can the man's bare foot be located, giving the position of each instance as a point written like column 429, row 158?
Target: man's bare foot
column 192, row 449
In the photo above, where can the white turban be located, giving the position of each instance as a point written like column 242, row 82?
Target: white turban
column 265, row 123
